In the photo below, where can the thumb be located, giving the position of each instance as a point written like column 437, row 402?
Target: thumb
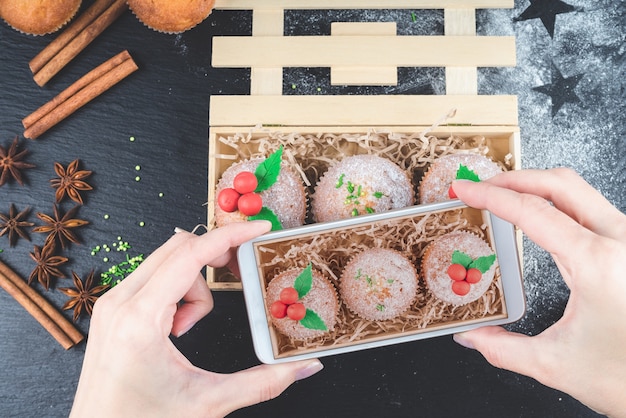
column 262, row 383
column 503, row 349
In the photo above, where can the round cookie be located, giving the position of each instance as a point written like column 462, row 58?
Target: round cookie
column 442, row 172
column 286, row 198
column 358, row 185
column 171, row 16
column 438, row 258
column 321, row 299
column 378, row 284
column 38, row 17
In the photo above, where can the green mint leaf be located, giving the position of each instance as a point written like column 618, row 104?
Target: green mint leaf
column 483, row 263
column 459, row 257
column 267, row 214
column 304, row 281
column 313, row 321
column 464, row 173
column 267, row 172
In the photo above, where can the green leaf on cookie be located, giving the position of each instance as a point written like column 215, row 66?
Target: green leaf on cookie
column 304, row 281
column 267, row 172
column 483, row 263
column 313, row 321
column 266, row 214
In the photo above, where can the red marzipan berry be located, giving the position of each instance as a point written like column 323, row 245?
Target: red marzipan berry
column 461, row 288
column 473, row 275
column 289, row 295
column 250, row 204
column 457, row 272
column 297, row 311
column 245, row 182
column 278, row 309
column 451, row 193
column 227, row 200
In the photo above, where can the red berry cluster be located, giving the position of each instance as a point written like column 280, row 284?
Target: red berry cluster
column 288, row 305
column 463, row 278
column 242, row 196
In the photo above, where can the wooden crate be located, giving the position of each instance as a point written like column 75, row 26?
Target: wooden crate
column 348, row 53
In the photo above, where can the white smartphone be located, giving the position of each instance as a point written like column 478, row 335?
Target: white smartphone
column 329, row 246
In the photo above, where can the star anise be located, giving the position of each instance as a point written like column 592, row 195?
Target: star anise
column 70, row 182
column 13, row 224
column 59, row 227
column 11, row 163
column 47, row 265
column 83, row 295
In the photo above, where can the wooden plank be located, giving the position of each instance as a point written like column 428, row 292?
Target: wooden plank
column 397, row 51
column 361, row 76
column 460, row 80
column 375, row 110
column 267, row 22
column 360, row 4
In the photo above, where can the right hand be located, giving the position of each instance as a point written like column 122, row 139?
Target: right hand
column 583, row 353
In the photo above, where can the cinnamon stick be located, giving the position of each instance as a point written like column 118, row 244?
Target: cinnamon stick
column 79, row 39
column 80, row 23
column 81, row 92
column 47, row 315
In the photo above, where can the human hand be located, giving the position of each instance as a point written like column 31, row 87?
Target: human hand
column 584, row 352
column 132, row 368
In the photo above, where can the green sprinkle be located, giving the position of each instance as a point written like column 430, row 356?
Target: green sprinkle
column 106, row 216
column 105, row 259
column 93, row 253
column 339, row 181
column 354, row 212
column 137, row 178
column 380, row 307
column 350, row 187
column 293, row 86
column 131, row 139
column 137, row 167
column 369, row 210
column 142, row 223
column 161, row 194
column 107, row 249
column 319, row 89
column 378, row 195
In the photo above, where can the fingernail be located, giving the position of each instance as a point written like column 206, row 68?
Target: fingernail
column 177, row 230
column 461, row 339
column 309, row 370
column 184, row 330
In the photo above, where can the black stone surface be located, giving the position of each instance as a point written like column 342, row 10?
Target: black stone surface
column 164, row 107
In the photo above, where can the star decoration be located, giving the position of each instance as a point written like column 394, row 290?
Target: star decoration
column 546, row 10
column 13, row 224
column 11, row 163
column 561, row 90
column 47, row 265
column 59, row 227
column 83, row 295
column 70, row 182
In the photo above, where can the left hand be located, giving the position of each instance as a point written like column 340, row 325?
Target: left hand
column 131, row 366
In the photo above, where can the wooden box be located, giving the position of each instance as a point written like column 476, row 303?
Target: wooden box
column 461, row 112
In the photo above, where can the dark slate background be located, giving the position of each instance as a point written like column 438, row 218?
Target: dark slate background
column 570, row 84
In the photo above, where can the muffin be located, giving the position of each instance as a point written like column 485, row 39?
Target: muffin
column 453, row 252
column 316, row 296
column 285, row 198
column 171, row 16
column 438, row 179
column 38, row 17
column 358, row 185
column 378, row 284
